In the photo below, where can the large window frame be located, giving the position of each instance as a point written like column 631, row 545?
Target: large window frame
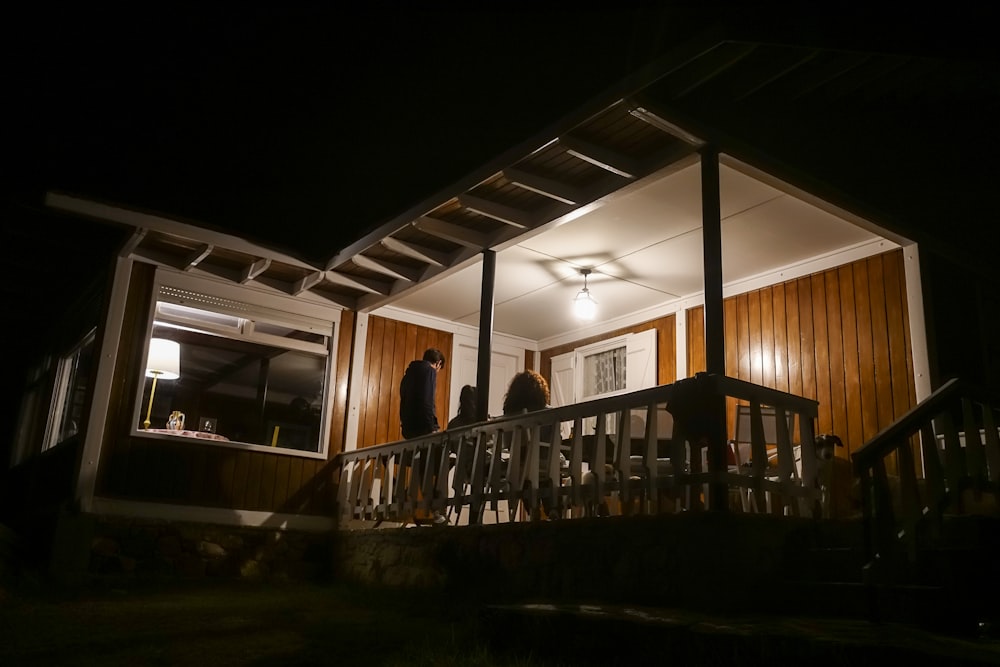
column 217, row 318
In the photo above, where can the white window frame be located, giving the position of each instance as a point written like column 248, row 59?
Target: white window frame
column 302, row 314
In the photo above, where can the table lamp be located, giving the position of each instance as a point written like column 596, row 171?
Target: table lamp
column 164, row 362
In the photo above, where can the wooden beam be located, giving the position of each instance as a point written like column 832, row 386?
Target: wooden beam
column 253, row 270
column 563, row 192
column 416, row 251
column 307, row 282
column 386, row 268
column 602, row 156
column 361, row 284
column 133, row 242
column 501, row 212
column 368, row 302
column 451, row 232
column 200, row 253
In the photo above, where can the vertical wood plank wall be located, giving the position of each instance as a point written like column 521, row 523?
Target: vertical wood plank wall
column 840, row 337
column 200, row 474
column 389, row 348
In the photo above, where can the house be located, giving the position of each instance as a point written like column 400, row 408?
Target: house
column 726, row 201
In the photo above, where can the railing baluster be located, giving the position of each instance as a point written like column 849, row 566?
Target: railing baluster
column 502, row 462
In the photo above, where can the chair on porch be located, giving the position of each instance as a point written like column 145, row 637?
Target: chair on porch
column 741, row 449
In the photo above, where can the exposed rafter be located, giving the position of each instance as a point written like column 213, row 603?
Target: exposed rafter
column 387, row 268
column 133, row 242
column 360, row 284
column 500, row 212
column 549, row 187
column 307, row 282
column 254, row 270
column 198, row 254
column 416, row 251
column 603, row 157
column 660, row 123
column 369, row 302
column 452, row 232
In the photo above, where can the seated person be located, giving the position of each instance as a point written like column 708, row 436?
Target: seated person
column 528, row 392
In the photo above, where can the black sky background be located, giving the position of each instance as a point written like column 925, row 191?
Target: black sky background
column 301, row 125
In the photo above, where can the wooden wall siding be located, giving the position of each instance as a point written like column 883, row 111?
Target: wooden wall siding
column 389, row 349
column 694, row 331
column 529, row 359
column 202, row 474
column 666, row 348
column 345, row 348
column 840, row 337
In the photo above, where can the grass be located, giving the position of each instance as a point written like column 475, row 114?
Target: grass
column 243, row 624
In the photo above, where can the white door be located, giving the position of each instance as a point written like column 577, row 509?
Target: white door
column 505, row 362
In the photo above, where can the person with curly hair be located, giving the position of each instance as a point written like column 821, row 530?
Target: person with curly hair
column 528, row 391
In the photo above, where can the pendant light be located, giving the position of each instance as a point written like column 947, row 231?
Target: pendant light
column 584, row 306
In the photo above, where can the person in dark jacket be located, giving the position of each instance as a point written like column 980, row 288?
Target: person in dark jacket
column 417, row 413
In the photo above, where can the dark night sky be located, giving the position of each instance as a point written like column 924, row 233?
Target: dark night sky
column 301, row 125
column 299, row 118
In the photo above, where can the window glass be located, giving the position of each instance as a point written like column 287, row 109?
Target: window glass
column 75, row 370
column 604, row 372
column 245, row 376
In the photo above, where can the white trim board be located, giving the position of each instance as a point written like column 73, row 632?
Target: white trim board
column 216, row 515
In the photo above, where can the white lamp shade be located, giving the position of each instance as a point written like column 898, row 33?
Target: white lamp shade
column 164, row 359
column 584, row 306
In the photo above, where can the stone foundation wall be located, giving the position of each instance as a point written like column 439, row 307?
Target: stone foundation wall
column 689, row 558
column 146, row 548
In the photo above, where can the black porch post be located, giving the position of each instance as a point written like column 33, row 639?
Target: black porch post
column 715, row 336
column 485, row 334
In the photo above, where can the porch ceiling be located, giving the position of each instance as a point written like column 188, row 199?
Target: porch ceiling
column 615, row 187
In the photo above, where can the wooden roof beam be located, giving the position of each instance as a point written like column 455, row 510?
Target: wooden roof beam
column 501, row 212
column 360, row 284
column 197, row 255
column 463, row 236
column 415, row 251
column 307, row 282
column 602, row 156
column 562, row 192
column 390, row 269
column 253, row 270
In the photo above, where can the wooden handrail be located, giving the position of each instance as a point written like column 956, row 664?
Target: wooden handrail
column 506, row 460
column 893, row 516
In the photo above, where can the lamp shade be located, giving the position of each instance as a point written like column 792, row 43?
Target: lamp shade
column 164, row 359
column 584, row 306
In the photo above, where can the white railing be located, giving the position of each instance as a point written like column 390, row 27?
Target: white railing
column 652, row 451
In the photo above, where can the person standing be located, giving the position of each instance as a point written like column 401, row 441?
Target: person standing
column 417, row 411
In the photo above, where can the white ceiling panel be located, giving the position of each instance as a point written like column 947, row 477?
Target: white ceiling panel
column 782, row 232
column 548, row 312
column 645, row 247
column 673, row 267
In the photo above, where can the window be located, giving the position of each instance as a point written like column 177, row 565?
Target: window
column 604, row 372
column 252, row 371
column 614, row 366
column 69, row 399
